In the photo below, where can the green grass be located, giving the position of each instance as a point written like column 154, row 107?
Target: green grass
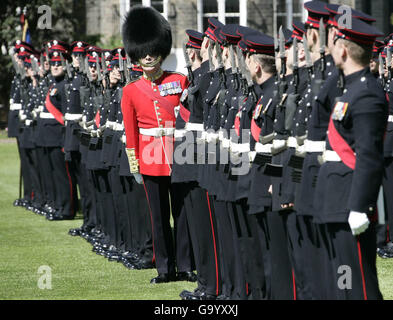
column 28, row 241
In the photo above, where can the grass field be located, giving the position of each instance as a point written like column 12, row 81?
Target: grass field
column 28, row 241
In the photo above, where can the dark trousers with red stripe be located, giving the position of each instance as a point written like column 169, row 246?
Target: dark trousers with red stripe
column 48, row 185
column 385, row 232
column 352, row 264
column 202, row 225
column 169, row 252
column 26, row 174
column 66, row 200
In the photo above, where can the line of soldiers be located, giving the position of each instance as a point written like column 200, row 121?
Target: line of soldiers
column 270, row 155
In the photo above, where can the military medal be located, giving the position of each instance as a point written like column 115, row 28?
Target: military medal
column 257, row 111
column 339, row 110
column 53, row 92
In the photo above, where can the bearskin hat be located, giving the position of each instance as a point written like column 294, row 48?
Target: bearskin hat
column 146, row 32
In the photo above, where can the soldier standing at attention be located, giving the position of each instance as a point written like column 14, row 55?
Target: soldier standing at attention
column 149, row 106
column 351, row 174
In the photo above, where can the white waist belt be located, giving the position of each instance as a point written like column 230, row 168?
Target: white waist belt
column 180, row 133
column 114, row 126
column 157, row 132
column 15, row 106
column 279, row 143
column 314, row 146
column 292, row 142
column 330, row 155
column 390, row 119
column 194, row 126
column 212, row 137
column 263, row 148
column 72, row 116
column 46, row 115
column 226, row 143
column 240, row 147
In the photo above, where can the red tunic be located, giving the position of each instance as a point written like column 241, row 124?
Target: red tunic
column 153, row 154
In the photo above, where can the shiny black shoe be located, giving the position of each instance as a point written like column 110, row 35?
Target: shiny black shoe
column 163, row 278
column 186, row 293
column 128, row 264
column 75, row 232
column 187, row 276
column 58, row 217
column 17, row 203
column 144, row 263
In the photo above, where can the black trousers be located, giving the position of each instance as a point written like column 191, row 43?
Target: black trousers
column 26, row 174
column 282, row 275
column 228, row 256
column 250, row 251
column 106, row 210
column 203, row 230
column 47, row 179
column 83, row 181
column 66, row 199
column 385, row 232
column 167, row 252
column 352, row 264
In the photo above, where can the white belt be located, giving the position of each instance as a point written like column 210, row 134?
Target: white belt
column 212, row 137
column 194, row 126
column 72, row 116
column 390, row 119
column 240, row 147
column 225, row 143
column 114, row 126
column 277, row 144
column 330, row 155
column 292, row 142
column 263, row 148
column 46, row 115
column 157, row 132
column 180, row 133
column 314, row 146
column 252, row 155
column 202, row 138
column 15, row 106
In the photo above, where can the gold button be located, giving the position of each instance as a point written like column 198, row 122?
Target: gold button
column 161, row 126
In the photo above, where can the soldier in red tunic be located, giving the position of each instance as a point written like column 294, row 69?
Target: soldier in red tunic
column 150, row 105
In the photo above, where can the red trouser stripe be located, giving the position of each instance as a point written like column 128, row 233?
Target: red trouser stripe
column 151, row 219
column 214, row 242
column 71, row 194
column 294, row 285
column 361, row 269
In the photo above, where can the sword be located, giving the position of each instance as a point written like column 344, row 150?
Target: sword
column 88, row 74
column 220, row 64
column 389, row 62
column 381, row 70
column 188, row 64
column 69, row 72
column 212, row 68
column 295, row 66
column 282, row 53
column 243, row 80
column 129, row 66
column 233, row 68
column 309, row 64
column 121, row 67
column 381, row 207
column 63, row 63
column 322, row 48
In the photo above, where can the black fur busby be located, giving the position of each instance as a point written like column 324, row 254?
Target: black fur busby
column 146, row 32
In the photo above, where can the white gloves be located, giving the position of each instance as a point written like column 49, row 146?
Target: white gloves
column 358, row 222
column 138, row 178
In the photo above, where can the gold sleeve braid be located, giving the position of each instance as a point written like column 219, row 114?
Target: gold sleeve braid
column 132, row 160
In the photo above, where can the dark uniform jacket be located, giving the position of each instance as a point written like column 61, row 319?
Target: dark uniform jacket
column 360, row 118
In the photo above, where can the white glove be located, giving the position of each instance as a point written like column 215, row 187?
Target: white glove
column 358, row 222
column 138, row 178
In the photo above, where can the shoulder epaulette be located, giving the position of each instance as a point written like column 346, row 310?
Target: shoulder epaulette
column 133, row 80
column 176, row 73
